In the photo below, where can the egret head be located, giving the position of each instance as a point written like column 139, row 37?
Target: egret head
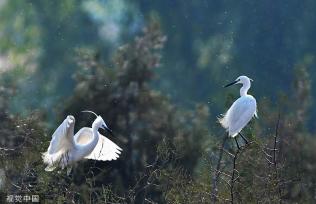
column 99, row 122
column 70, row 121
column 240, row 80
column 70, row 118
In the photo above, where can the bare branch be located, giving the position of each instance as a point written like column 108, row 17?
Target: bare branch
column 217, row 171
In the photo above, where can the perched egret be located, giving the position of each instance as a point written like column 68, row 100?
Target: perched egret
column 66, row 148
column 242, row 110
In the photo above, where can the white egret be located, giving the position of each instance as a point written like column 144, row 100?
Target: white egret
column 242, row 110
column 65, row 149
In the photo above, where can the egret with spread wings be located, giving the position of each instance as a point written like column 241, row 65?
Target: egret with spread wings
column 242, row 110
column 66, row 148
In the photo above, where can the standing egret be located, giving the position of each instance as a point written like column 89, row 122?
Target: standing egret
column 65, row 149
column 242, row 110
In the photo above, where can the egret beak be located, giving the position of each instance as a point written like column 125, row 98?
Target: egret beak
column 234, row 82
column 108, row 129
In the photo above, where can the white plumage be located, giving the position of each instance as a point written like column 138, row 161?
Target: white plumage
column 239, row 114
column 66, row 149
column 105, row 150
column 241, row 111
column 61, row 143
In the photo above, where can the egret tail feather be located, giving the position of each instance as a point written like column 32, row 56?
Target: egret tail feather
column 223, row 120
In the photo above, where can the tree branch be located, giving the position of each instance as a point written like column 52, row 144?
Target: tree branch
column 275, row 164
column 217, row 172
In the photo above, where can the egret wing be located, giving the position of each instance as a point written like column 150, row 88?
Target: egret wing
column 105, row 149
column 62, row 138
column 240, row 114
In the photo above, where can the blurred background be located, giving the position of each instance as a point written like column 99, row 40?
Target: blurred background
column 154, row 70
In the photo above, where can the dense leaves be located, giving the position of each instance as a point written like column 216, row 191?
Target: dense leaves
column 171, row 154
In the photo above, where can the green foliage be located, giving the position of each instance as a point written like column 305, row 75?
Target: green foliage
column 141, row 117
column 21, row 143
column 163, row 157
column 169, row 153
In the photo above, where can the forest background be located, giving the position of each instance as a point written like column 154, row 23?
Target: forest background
column 155, row 71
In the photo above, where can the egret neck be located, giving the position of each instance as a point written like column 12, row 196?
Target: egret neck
column 94, row 142
column 245, row 87
column 88, row 148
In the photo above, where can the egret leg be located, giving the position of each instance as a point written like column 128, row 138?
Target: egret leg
column 236, row 142
column 243, row 138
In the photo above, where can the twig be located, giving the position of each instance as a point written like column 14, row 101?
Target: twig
column 217, row 172
column 233, row 179
column 275, row 164
column 227, row 152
